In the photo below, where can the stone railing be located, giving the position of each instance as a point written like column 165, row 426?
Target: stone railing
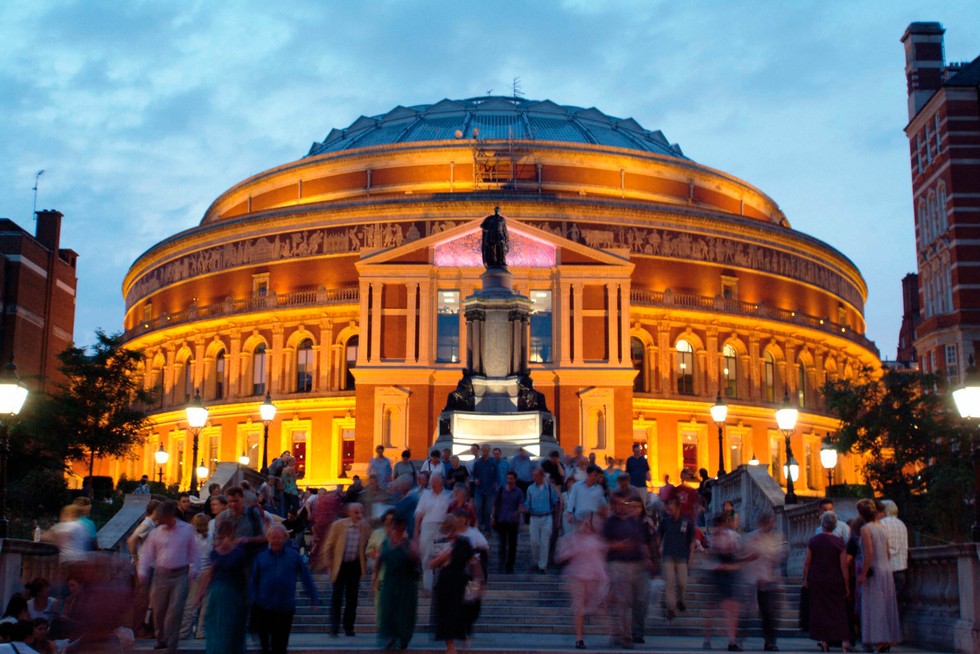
column 24, row 560
column 941, row 602
column 647, row 298
column 751, row 490
column 233, row 306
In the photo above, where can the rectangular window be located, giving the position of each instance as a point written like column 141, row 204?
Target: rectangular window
column 811, row 481
column 952, row 363
column 928, row 144
column 260, row 284
column 541, row 342
column 939, row 138
column 299, row 452
column 918, row 150
column 776, row 459
column 180, row 462
column 447, row 326
column 729, row 287
column 252, row 449
column 212, row 459
column 148, row 312
column 258, row 371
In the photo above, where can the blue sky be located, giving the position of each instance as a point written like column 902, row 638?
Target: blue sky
column 141, row 113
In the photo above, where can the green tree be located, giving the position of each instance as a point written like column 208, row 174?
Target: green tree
column 916, row 448
column 98, row 411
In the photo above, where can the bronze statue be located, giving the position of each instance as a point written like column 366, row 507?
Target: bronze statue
column 495, row 243
column 463, row 398
column 529, row 399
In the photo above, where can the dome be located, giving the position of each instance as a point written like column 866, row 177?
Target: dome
column 496, row 118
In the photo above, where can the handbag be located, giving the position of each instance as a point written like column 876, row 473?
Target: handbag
column 804, row 608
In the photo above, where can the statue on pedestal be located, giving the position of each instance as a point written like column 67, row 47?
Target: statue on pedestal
column 495, row 242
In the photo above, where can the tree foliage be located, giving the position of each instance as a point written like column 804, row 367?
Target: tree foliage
column 915, row 447
column 98, row 411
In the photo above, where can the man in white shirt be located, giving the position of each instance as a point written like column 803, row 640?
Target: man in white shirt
column 842, row 531
column 898, row 544
column 432, row 509
column 170, row 551
column 433, row 466
column 587, row 496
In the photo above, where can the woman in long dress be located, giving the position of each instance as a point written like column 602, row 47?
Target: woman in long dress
column 398, row 592
column 584, row 553
column 449, row 591
column 825, row 574
column 226, row 585
column 880, row 625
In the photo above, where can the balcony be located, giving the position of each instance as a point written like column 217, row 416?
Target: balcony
column 664, row 299
column 320, row 297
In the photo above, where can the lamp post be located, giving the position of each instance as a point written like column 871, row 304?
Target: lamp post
column 244, row 459
column 162, row 456
column 786, row 417
column 13, row 394
column 268, row 412
column 718, row 413
column 197, row 417
column 828, row 459
column 967, row 398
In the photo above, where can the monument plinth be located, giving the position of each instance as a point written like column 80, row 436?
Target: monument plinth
column 495, row 401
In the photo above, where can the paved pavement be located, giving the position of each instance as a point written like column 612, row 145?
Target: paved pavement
column 501, row 643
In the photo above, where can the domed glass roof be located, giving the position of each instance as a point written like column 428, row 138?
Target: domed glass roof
column 491, row 118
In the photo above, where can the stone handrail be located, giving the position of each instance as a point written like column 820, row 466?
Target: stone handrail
column 649, row 298
column 232, row 306
column 941, row 602
column 751, row 490
column 24, row 560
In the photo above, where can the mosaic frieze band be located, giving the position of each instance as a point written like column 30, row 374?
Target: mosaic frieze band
column 639, row 240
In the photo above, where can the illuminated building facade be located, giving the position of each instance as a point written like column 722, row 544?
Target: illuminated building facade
column 334, row 283
column 944, row 149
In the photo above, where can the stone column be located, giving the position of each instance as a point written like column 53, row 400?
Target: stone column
column 279, row 366
column 323, row 357
column 426, row 318
column 563, row 310
column 377, row 309
column 364, row 343
column 714, row 363
column 198, row 365
column 234, row 363
column 756, row 392
column 612, row 356
column 651, row 368
column 411, row 345
column 624, row 322
column 577, row 294
column 666, row 365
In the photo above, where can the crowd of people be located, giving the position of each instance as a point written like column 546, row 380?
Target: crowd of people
column 426, row 529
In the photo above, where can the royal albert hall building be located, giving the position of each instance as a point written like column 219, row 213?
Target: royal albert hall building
column 333, row 283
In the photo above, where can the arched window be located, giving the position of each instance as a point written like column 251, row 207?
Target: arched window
column 802, row 389
column 769, row 377
column 351, row 363
column 304, row 366
column 185, row 385
column 684, row 367
column 941, row 207
column 219, row 375
column 729, row 371
column 638, row 355
column 258, row 370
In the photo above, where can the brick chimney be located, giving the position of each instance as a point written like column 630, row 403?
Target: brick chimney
column 48, row 231
column 924, row 63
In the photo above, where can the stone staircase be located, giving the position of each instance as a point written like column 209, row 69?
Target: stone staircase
column 538, row 604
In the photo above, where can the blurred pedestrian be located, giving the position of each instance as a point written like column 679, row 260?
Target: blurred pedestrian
column 584, row 554
column 223, row 594
column 272, row 590
column 628, row 561
column 765, row 550
column 508, row 510
column 171, row 554
column 541, row 501
column 725, row 552
column 449, row 592
column 429, row 515
column 880, row 625
column 192, row 624
column 676, row 535
column 398, row 588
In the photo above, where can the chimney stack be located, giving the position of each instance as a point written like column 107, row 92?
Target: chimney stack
column 48, row 231
column 925, row 63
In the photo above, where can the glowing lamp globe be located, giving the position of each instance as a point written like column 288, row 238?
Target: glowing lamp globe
column 267, row 409
column 786, row 416
column 967, row 399
column 244, row 459
column 13, row 393
column 719, row 411
column 792, row 470
column 202, row 471
column 197, row 413
column 161, row 456
column 828, row 458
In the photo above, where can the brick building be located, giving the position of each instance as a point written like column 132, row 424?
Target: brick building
column 37, row 282
column 944, row 149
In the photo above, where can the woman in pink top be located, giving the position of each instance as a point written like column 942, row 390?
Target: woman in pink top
column 584, row 552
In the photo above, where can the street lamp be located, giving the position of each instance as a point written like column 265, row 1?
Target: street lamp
column 13, row 394
column 197, row 417
column 828, row 459
column 754, row 461
column 268, row 412
column 967, row 398
column 786, row 417
column 718, row 413
column 791, row 469
column 244, row 459
column 162, row 456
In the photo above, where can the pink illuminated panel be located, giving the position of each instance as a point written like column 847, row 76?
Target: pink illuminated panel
column 525, row 252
